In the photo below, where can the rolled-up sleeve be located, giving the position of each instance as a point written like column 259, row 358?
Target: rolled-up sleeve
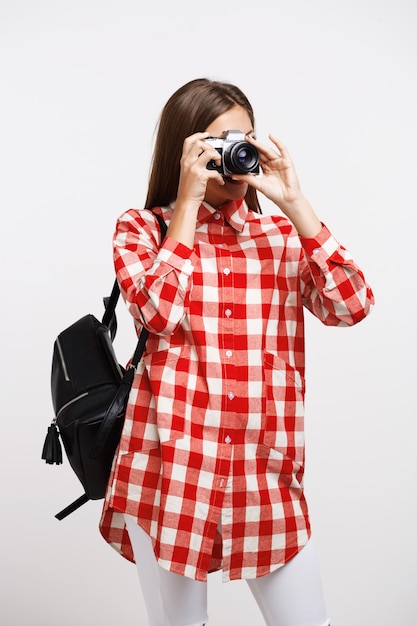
column 333, row 287
column 155, row 280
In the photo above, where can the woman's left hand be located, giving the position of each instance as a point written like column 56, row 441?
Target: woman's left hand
column 279, row 181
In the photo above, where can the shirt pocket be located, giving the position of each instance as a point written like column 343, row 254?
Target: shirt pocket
column 168, row 372
column 283, row 423
column 280, row 471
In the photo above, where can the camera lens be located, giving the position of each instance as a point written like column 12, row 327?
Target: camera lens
column 241, row 158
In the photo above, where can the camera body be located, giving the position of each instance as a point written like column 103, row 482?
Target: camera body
column 238, row 156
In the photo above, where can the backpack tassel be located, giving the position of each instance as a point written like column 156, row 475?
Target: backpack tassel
column 52, row 449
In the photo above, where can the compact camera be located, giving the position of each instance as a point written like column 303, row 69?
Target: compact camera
column 238, row 156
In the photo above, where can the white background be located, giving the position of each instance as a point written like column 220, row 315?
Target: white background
column 82, row 85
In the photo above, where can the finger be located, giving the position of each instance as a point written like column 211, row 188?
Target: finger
column 215, row 175
column 196, row 150
column 198, row 136
column 208, row 153
column 281, row 147
column 251, row 179
column 194, row 143
column 266, row 153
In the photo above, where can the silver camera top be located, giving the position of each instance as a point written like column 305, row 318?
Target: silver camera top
column 230, row 136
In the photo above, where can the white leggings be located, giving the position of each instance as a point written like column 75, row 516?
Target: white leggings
column 289, row 596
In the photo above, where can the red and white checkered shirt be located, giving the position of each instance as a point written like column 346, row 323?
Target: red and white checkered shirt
column 211, row 458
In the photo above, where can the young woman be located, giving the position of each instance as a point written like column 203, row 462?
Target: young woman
column 209, row 472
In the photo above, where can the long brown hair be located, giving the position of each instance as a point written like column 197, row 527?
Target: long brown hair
column 189, row 110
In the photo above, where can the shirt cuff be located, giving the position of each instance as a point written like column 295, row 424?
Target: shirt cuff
column 323, row 242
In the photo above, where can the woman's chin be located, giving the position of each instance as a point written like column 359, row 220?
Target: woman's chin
column 216, row 194
column 233, row 181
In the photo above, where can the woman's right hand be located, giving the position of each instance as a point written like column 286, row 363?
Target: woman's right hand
column 194, row 175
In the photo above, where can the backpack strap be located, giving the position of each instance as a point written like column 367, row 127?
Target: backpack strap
column 72, row 507
column 109, row 317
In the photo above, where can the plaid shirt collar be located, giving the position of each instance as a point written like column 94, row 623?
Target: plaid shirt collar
column 235, row 212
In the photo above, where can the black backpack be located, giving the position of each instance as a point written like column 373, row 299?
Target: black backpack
column 89, row 395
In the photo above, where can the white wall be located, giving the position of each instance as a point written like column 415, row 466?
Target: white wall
column 82, row 84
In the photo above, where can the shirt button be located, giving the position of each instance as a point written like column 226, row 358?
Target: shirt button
column 228, row 312
column 229, row 353
column 217, row 216
column 230, row 395
column 228, row 439
column 316, row 250
column 226, row 271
